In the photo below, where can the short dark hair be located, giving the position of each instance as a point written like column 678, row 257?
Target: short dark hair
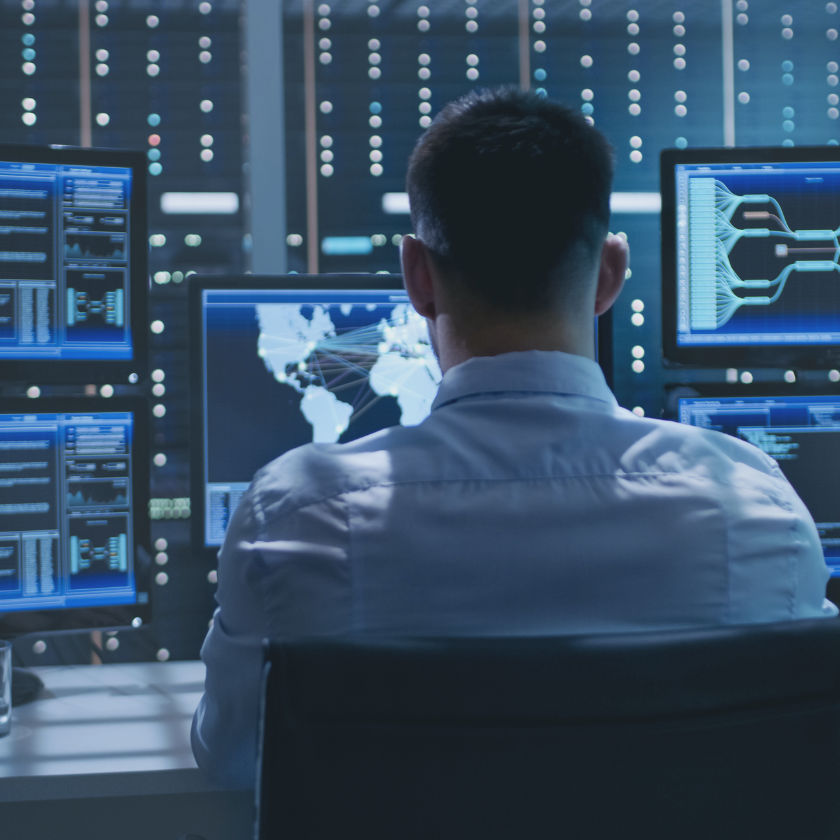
column 505, row 187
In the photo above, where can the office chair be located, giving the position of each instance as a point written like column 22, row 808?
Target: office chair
column 729, row 732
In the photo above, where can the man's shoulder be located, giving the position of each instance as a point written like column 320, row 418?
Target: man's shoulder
column 317, row 471
column 667, row 446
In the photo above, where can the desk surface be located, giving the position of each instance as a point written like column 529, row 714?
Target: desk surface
column 106, row 730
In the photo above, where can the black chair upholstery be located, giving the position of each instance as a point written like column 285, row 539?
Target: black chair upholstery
column 709, row 734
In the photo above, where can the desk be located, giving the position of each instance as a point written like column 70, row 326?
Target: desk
column 104, row 753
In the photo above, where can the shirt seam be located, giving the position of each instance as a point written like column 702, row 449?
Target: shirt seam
column 360, row 488
column 355, row 601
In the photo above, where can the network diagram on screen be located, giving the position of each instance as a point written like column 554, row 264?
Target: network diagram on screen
column 66, row 510
column 64, row 261
column 304, row 366
column 802, row 433
column 758, row 253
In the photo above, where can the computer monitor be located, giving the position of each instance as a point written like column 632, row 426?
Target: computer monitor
column 802, row 432
column 73, row 264
column 74, row 528
column 751, row 256
column 278, row 362
column 283, row 361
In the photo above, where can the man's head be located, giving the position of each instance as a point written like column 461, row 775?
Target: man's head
column 509, row 192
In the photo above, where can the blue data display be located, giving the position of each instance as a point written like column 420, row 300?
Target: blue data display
column 66, row 511
column 758, row 254
column 802, row 433
column 64, row 261
column 304, row 366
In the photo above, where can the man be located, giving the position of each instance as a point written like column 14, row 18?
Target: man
column 528, row 502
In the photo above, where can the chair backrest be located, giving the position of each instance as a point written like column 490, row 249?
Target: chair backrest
column 722, row 733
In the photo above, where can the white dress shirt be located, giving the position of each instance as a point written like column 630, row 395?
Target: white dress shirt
column 528, row 502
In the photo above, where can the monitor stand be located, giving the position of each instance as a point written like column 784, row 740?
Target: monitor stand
column 26, row 686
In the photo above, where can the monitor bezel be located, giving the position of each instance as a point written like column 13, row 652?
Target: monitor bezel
column 802, row 356
column 16, row 623
column 97, row 371
column 198, row 284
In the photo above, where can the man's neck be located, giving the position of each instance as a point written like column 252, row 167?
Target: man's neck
column 456, row 345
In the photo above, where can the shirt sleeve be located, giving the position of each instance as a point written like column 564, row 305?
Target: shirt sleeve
column 777, row 563
column 224, row 727
column 283, row 573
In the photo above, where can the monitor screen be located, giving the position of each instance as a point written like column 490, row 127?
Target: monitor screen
column 73, row 266
column 73, row 514
column 283, row 361
column 802, row 433
column 751, row 256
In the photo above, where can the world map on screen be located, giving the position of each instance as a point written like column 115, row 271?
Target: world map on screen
column 343, row 358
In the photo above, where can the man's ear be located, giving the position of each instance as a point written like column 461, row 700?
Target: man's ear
column 417, row 275
column 615, row 256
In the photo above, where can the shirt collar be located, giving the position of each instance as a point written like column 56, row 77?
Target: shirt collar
column 531, row 371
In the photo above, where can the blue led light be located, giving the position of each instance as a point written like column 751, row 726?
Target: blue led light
column 153, row 120
column 28, row 39
column 788, row 112
column 346, row 245
column 376, row 107
column 540, row 75
column 787, row 66
column 681, row 142
column 28, row 54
